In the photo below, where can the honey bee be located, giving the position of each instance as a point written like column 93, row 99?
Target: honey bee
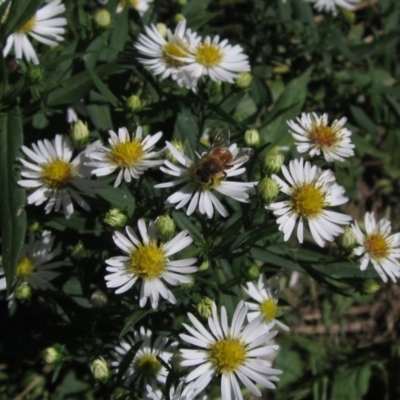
column 213, row 164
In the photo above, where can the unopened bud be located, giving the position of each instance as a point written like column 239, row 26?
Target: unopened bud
column 273, row 163
column 99, row 299
column 204, row 307
column 51, row 355
column 252, row 273
column 369, row 286
column 268, row 189
column 204, row 265
column 179, row 17
column 78, row 251
column 79, row 134
column 162, row 29
column 252, row 138
column 100, row 369
column 23, row 292
column 281, row 69
column 34, row 226
column 165, row 227
column 182, row 2
column 187, row 286
column 347, row 239
column 179, row 146
column 115, row 218
column 244, row 80
column 35, row 73
column 133, row 103
column 102, row 18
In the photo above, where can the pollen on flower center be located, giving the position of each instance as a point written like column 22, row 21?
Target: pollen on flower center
column 208, row 55
column 308, row 200
column 376, row 246
column 147, row 261
column 57, row 173
column 323, row 136
column 29, row 26
column 126, row 154
column 227, row 355
column 25, row 268
column 173, row 50
column 147, row 365
column 269, row 308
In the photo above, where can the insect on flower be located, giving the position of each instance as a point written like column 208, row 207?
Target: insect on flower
column 213, row 164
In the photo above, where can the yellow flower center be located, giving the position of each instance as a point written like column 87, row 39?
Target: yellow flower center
column 173, row 50
column 377, row 246
column 25, row 268
column 323, row 136
column 308, row 200
column 227, row 355
column 29, row 26
column 133, row 3
column 126, row 154
column 147, row 261
column 57, row 173
column 269, row 308
column 147, row 365
column 208, row 55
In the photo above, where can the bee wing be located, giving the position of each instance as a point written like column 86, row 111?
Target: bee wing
column 242, row 155
column 221, row 139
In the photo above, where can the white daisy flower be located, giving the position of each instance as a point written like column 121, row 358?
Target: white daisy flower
column 131, row 156
column 146, row 367
column 378, row 246
column 311, row 191
column 216, row 59
column 179, row 392
column 140, row 5
column 43, row 27
column 331, row 5
column 148, row 260
column 53, row 175
column 33, row 265
column 165, row 57
column 267, row 302
column 315, row 136
column 230, row 352
column 207, row 174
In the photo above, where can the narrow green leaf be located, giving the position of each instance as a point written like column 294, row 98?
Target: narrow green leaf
column 185, row 223
column 12, row 198
column 135, row 317
column 102, row 88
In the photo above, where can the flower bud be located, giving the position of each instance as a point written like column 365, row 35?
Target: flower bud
column 268, row 190
column 187, row 286
column 162, row 29
column 281, row 69
column 182, row 2
column 79, row 134
column 273, row 163
column 34, row 226
column 35, row 73
column 252, row 273
column 244, row 80
column 102, row 18
column 165, row 227
column 78, row 251
column 347, row 239
column 115, row 218
column 99, row 299
column 204, row 307
column 23, row 292
column 252, row 138
column 51, row 355
column 179, row 146
column 369, row 286
column 179, row 17
column 100, row 369
column 133, row 102
column 204, row 265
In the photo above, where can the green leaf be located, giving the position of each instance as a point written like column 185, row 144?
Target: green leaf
column 119, row 197
column 12, row 198
column 135, row 317
column 102, row 88
column 184, row 223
